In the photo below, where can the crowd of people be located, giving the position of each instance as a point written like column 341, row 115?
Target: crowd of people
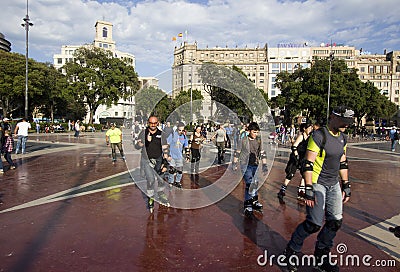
column 317, row 151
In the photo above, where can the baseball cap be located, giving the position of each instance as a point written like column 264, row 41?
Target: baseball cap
column 345, row 113
column 6, row 119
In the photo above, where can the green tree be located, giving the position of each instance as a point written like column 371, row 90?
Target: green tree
column 153, row 101
column 305, row 91
column 99, row 78
column 232, row 88
column 182, row 101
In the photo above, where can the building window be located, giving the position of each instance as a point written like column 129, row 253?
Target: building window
column 261, row 54
column 275, row 68
column 261, row 67
column 396, row 92
column 105, row 32
column 116, row 113
column 261, row 80
column 362, row 69
column 261, row 74
column 371, row 69
column 59, row 60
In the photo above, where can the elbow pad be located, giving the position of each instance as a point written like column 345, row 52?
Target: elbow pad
column 344, row 164
column 307, row 166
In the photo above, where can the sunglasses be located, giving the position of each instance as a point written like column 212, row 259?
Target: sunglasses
column 153, row 123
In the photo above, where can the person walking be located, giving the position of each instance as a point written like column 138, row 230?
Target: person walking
column 394, row 137
column 114, row 138
column 296, row 158
column 7, row 148
column 324, row 161
column 77, row 128
column 248, row 154
column 177, row 142
column 220, row 140
column 196, row 143
column 153, row 161
column 21, row 130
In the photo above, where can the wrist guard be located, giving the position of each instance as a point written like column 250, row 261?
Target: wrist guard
column 309, row 193
column 187, row 152
column 346, row 188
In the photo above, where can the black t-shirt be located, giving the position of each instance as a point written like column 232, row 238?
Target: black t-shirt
column 153, row 148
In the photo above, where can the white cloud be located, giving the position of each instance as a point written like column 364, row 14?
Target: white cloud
column 145, row 28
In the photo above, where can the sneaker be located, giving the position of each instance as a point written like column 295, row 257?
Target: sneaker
column 248, row 211
column 12, row 167
column 114, row 160
column 248, row 208
column 178, row 185
column 323, row 264
column 150, row 204
column 123, row 158
column 290, row 263
column 280, row 195
column 1, row 171
column 257, row 206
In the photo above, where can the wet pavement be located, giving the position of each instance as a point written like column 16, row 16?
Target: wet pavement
column 68, row 208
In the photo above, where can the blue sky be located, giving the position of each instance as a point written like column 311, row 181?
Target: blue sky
column 146, row 28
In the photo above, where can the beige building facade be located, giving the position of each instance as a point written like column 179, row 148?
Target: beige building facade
column 262, row 64
column 104, row 39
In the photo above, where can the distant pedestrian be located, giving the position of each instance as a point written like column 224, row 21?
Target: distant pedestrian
column 196, row 144
column 21, row 130
column 8, row 147
column 177, row 143
column 394, row 137
column 220, row 140
column 6, row 125
column 77, row 128
column 37, row 127
column 114, row 139
column 299, row 147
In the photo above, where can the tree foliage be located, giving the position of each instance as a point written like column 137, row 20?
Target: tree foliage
column 233, row 89
column 98, row 78
column 305, row 91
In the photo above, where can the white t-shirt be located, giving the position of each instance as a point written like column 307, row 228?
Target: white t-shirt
column 23, row 128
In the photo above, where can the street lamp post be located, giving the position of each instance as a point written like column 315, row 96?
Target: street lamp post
column 191, row 93
column 27, row 24
column 331, row 57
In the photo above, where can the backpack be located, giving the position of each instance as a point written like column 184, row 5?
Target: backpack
column 396, row 136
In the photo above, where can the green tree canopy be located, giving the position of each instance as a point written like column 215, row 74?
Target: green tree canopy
column 97, row 78
column 305, row 91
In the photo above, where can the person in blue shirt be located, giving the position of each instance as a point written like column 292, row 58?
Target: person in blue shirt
column 177, row 142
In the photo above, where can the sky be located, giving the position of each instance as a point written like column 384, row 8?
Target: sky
column 145, row 28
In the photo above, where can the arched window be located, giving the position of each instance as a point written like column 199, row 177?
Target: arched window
column 104, row 32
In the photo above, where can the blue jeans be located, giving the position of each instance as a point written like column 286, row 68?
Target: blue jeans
column 178, row 165
column 151, row 167
column 249, row 173
column 328, row 205
column 21, row 139
column 393, row 144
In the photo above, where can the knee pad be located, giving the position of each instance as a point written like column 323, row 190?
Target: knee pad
column 289, row 176
column 310, row 227
column 172, row 170
column 333, row 225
